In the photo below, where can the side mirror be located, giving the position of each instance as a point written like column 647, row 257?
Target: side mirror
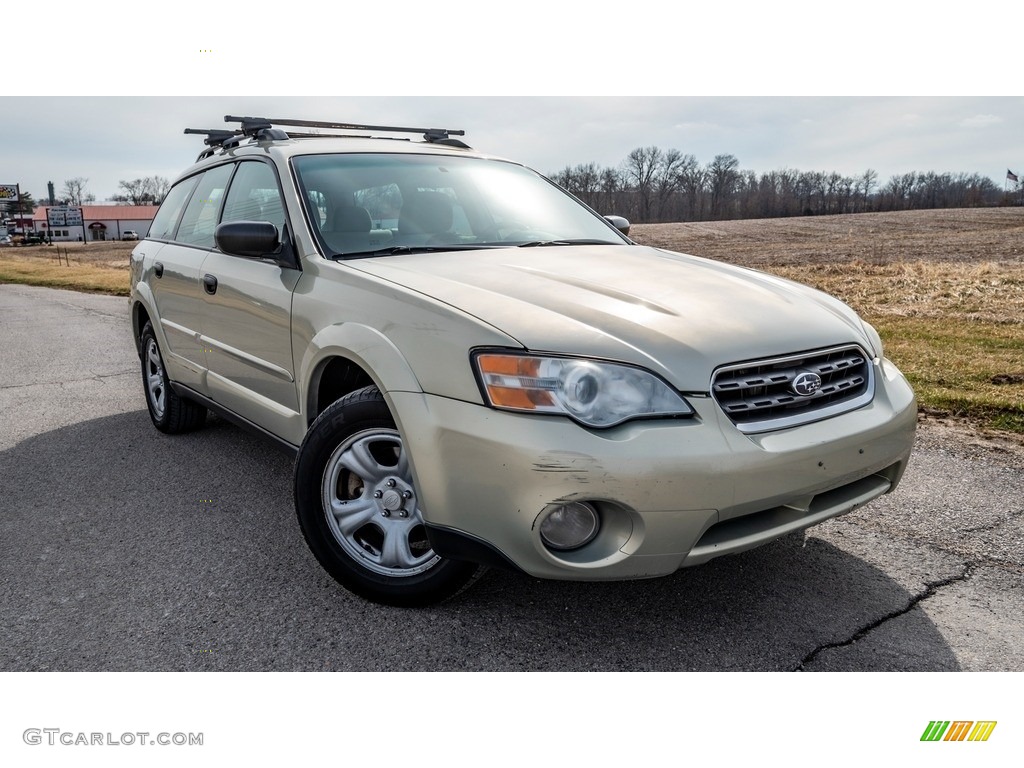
column 619, row 223
column 250, row 239
column 257, row 240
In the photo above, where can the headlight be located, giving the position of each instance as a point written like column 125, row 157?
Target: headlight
column 594, row 393
column 874, row 338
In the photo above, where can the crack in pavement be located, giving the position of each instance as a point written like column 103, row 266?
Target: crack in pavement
column 96, row 377
column 930, row 590
column 1011, row 515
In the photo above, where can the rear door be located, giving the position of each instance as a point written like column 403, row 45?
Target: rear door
column 172, row 270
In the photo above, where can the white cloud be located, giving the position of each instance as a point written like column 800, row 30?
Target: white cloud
column 980, row 121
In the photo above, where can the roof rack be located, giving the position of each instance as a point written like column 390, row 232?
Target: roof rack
column 433, row 135
column 215, row 137
column 255, row 128
column 263, row 128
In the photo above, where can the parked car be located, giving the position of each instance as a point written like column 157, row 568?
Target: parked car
column 6, row 240
column 474, row 368
column 130, row 234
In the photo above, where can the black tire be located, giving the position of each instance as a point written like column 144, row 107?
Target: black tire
column 358, row 509
column 170, row 413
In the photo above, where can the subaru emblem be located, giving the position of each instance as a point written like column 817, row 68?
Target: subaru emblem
column 806, row 384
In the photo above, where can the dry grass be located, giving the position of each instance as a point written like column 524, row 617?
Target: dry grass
column 94, row 275
column 99, row 267
column 989, row 291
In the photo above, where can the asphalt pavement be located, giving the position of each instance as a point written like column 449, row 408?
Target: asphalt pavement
column 125, row 549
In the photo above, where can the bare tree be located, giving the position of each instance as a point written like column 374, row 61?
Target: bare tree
column 692, row 179
column 159, row 186
column 668, row 180
column 74, row 191
column 609, row 190
column 865, row 184
column 133, row 192
column 723, row 176
column 641, row 169
column 148, row 191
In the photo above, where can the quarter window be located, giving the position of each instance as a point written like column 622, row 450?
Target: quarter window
column 166, row 218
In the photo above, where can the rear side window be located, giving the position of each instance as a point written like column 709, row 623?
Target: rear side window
column 166, row 218
column 200, row 218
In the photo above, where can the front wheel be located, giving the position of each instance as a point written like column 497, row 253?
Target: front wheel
column 358, row 508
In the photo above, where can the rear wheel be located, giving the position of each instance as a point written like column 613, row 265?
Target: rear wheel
column 170, row 412
column 358, row 508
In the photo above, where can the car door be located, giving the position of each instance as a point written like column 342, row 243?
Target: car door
column 247, row 312
column 172, row 271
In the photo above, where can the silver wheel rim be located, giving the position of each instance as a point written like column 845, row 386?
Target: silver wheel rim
column 155, row 388
column 371, row 505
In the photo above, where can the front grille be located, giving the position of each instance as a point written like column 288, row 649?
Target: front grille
column 760, row 395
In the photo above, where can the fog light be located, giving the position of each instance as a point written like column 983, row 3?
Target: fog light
column 569, row 526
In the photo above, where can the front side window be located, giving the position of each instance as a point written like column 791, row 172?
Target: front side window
column 254, row 196
column 200, row 218
column 376, row 204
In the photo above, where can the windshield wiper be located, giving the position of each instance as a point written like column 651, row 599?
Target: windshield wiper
column 578, row 241
column 397, row 250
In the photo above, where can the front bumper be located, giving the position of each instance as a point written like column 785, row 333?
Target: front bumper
column 671, row 493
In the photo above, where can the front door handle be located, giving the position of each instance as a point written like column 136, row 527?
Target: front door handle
column 158, row 269
column 210, row 284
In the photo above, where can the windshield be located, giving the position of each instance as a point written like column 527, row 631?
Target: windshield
column 378, row 204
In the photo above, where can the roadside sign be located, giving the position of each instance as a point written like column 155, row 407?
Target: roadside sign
column 64, row 217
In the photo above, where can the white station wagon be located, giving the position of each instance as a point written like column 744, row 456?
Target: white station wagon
column 474, row 368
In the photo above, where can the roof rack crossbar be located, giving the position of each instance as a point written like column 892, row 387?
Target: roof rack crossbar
column 215, row 137
column 430, row 134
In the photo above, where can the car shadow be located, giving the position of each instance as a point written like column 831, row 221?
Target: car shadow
column 125, row 549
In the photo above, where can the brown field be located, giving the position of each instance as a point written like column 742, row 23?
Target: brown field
column 958, row 235
column 944, row 288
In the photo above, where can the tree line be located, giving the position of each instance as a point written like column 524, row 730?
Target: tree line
column 655, row 185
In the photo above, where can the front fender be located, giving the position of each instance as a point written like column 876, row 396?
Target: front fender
column 367, row 347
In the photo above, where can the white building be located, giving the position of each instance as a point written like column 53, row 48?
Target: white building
column 92, row 222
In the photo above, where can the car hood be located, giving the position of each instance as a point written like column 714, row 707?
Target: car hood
column 677, row 315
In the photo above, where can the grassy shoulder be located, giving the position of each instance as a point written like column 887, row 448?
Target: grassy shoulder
column 87, row 277
column 972, row 369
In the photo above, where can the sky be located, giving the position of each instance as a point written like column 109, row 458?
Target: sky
column 783, row 85
column 106, row 139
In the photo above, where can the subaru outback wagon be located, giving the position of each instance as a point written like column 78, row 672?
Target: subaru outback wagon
column 474, row 368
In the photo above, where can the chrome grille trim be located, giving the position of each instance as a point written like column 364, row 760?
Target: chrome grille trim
column 756, row 395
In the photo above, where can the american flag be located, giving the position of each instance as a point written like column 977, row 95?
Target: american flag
column 1010, row 175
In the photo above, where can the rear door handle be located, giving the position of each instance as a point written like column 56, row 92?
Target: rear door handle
column 210, row 284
